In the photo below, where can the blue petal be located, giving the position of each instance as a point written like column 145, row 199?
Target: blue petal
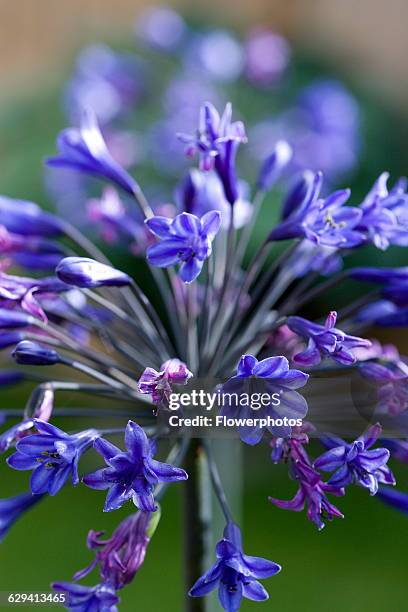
column 255, row 591
column 230, row 600
column 160, row 226
column 190, row 269
column 96, row 480
column 36, row 444
column 145, row 503
column 166, row 472
column 261, row 568
column 166, row 253
column 59, row 479
column 332, row 459
column 116, row 497
column 22, row 462
column 272, row 367
column 106, row 449
column 207, row 582
column 40, row 479
column 186, row 225
column 136, row 441
column 246, row 365
column 211, row 222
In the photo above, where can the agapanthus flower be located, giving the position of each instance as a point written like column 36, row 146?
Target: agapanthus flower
column 380, row 221
column 84, row 150
column 324, row 221
column 13, row 507
column 159, row 384
column 52, row 455
column 324, row 341
column 131, row 474
column 312, row 490
column 216, row 142
column 355, row 462
column 120, row 556
column 235, row 574
column 101, row 597
column 271, row 376
column 185, row 240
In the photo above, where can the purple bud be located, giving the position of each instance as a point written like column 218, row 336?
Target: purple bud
column 274, row 165
column 32, row 353
column 26, row 218
column 88, row 273
column 14, row 318
column 380, row 275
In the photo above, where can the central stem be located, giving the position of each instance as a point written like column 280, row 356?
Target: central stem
column 197, row 521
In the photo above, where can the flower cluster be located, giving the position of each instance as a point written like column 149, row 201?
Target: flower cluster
column 205, row 313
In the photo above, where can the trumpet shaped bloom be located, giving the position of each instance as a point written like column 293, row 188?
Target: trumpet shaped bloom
column 132, row 474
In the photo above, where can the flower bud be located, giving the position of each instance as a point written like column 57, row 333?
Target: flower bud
column 88, row 273
column 32, row 353
column 26, row 218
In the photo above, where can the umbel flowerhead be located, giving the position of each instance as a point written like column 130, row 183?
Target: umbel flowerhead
column 209, row 294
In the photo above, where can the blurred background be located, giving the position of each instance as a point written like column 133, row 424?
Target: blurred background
column 338, row 75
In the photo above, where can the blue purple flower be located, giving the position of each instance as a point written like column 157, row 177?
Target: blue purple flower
column 83, row 149
column 216, row 142
column 131, row 474
column 324, row 341
column 270, row 376
column 185, row 240
column 312, row 490
column 355, row 462
column 120, row 556
column 324, row 221
column 235, row 574
column 52, row 455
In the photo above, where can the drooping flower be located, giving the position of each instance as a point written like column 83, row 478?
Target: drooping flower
column 355, row 462
column 131, row 474
column 120, row 556
column 84, row 150
column 324, row 221
column 312, row 490
column 159, row 384
column 324, row 341
column 271, row 376
column 12, row 508
column 235, row 574
column 88, row 273
column 185, row 240
column 99, row 598
column 52, row 455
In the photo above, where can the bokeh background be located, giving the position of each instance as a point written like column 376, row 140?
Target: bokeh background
column 355, row 564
